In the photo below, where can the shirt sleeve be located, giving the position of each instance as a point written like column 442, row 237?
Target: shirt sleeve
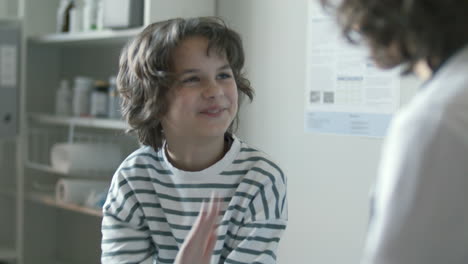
column 125, row 234
column 258, row 236
column 420, row 213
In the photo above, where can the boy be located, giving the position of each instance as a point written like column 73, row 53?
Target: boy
column 181, row 81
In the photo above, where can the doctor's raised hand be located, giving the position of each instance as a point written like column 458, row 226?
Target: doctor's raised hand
column 200, row 242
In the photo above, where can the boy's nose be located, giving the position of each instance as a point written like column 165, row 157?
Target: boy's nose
column 212, row 89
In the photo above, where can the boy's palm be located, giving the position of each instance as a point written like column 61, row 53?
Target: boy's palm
column 199, row 245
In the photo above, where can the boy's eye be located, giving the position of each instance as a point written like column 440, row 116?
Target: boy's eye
column 191, row 79
column 224, row 76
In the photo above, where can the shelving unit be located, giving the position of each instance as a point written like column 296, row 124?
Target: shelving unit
column 49, row 199
column 45, row 198
column 47, row 230
column 51, row 170
column 103, row 37
column 101, row 123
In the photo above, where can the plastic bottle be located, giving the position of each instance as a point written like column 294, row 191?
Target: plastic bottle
column 81, row 96
column 63, row 15
column 100, row 15
column 114, row 99
column 76, row 17
column 63, row 99
column 90, row 15
column 99, row 99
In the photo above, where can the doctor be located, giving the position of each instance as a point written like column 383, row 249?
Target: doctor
column 421, row 197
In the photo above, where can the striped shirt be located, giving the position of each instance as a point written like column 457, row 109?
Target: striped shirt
column 151, row 207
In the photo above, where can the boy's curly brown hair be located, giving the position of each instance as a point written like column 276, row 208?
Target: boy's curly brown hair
column 144, row 77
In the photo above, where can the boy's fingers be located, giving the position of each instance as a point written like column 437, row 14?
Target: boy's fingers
column 202, row 224
column 211, row 216
column 210, row 244
column 213, row 213
column 206, row 221
column 216, row 204
column 201, row 215
column 194, row 234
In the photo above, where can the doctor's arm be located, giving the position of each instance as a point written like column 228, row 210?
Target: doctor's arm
column 420, row 213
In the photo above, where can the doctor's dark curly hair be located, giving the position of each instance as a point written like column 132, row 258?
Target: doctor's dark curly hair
column 145, row 77
column 405, row 31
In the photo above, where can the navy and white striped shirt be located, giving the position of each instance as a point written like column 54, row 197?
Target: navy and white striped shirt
column 151, row 207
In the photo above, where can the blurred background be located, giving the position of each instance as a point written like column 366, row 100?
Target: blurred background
column 61, row 136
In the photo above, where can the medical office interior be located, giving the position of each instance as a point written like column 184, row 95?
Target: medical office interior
column 50, row 207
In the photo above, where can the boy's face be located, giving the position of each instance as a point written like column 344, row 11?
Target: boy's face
column 203, row 99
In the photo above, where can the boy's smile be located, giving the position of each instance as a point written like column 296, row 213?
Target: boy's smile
column 213, row 111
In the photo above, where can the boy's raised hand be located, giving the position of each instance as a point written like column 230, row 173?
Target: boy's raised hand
column 200, row 242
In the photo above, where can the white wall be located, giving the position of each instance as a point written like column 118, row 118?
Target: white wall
column 329, row 176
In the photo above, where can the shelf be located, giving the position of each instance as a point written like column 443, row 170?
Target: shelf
column 7, row 254
column 43, row 168
column 49, row 199
column 79, row 121
column 89, row 38
column 84, row 175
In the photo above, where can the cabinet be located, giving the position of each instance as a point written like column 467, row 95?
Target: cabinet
column 48, row 231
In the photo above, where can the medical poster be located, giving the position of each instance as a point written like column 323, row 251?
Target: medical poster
column 345, row 93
